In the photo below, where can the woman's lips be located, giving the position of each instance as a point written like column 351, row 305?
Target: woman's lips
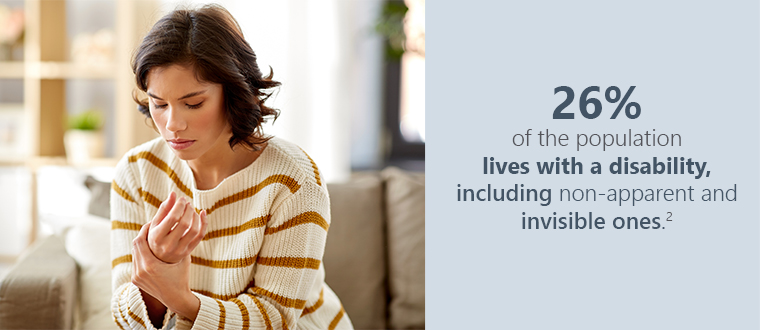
column 180, row 144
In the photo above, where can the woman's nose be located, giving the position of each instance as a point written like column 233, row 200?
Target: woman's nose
column 174, row 121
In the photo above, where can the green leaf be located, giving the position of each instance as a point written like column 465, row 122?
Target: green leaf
column 90, row 120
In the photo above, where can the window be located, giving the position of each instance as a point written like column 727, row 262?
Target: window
column 405, row 80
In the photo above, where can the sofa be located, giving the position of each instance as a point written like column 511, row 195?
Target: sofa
column 374, row 261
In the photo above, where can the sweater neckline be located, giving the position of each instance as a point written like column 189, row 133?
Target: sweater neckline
column 252, row 167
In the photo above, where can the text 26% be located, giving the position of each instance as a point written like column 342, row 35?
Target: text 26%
column 632, row 109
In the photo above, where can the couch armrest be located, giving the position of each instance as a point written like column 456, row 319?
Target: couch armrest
column 39, row 292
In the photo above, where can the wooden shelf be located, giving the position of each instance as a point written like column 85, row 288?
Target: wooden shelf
column 45, row 71
column 62, row 161
column 35, row 162
column 70, row 70
column 56, row 70
column 13, row 162
column 10, row 70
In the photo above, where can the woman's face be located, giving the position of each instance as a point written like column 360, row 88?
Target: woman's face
column 189, row 114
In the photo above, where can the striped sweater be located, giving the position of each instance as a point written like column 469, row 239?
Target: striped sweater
column 259, row 264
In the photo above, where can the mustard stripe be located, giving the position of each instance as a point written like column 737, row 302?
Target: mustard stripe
column 314, row 166
column 116, row 321
column 148, row 197
column 287, row 302
column 232, row 263
column 306, row 217
column 118, row 304
column 263, row 312
column 136, row 318
column 121, row 192
column 216, row 296
column 284, row 301
column 224, row 297
column 337, row 318
column 283, row 322
column 290, row 262
column 312, row 308
column 115, row 224
column 121, row 260
column 255, row 223
column 243, row 312
column 160, row 164
column 279, row 178
column 222, row 314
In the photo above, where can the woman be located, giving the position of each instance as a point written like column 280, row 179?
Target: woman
column 237, row 241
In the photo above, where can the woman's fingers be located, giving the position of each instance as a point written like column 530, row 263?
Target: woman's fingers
column 195, row 224
column 204, row 223
column 189, row 235
column 195, row 236
column 178, row 233
column 174, row 215
column 141, row 241
column 137, row 252
column 202, row 231
column 144, row 262
column 185, row 222
column 136, row 265
column 143, row 234
column 163, row 209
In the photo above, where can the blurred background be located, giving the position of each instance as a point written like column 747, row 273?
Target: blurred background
column 352, row 95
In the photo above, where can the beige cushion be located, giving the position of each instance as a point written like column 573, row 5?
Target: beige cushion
column 88, row 243
column 39, row 291
column 354, row 257
column 405, row 200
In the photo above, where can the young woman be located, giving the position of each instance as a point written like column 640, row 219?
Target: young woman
column 214, row 222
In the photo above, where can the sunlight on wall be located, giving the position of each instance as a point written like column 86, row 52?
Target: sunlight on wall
column 413, row 97
column 413, row 74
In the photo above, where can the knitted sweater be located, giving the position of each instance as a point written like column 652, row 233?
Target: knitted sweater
column 259, row 264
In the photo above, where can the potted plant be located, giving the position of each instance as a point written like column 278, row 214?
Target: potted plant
column 83, row 138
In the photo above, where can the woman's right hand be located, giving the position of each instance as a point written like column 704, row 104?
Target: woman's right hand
column 176, row 229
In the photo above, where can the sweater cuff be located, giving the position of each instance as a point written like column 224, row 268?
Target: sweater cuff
column 136, row 303
column 167, row 318
column 208, row 313
column 183, row 323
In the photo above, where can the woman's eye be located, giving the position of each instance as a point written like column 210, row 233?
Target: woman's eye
column 159, row 106
column 194, row 106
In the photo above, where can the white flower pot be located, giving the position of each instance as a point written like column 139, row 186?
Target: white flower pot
column 82, row 146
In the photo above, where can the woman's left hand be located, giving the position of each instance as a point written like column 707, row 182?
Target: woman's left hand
column 169, row 283
column 176, row 229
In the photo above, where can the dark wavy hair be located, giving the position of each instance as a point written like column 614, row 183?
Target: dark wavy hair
column 210, row 41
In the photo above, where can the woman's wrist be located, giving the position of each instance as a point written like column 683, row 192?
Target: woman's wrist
column 186, row 306
column 156, row 309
